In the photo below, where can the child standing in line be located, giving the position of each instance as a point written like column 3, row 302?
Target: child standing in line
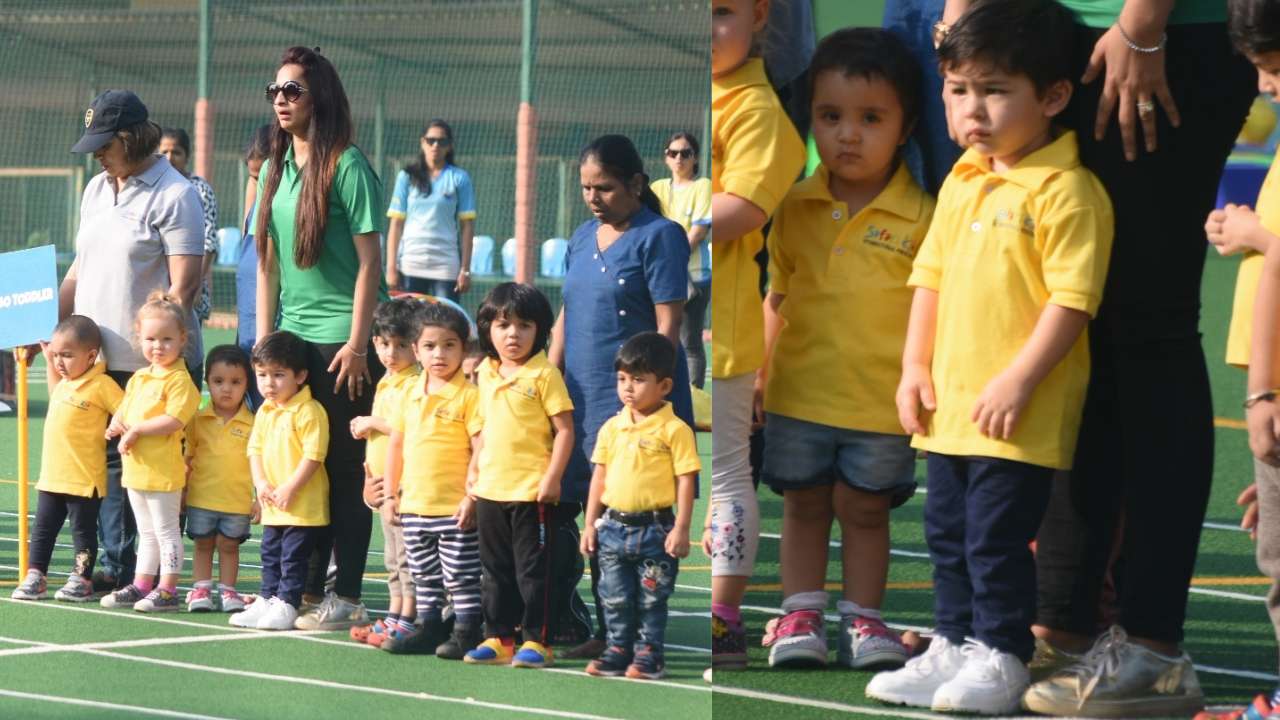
column 996, row 359
column 756, row 155
column 393, row 343
column 73, row 465
column 286, row 456
column 220, row 504
column 840, row 252
column 434, row 431
column 646, row 460
column 159, row 401
column 524, row 446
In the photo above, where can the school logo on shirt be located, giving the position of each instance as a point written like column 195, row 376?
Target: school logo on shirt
column 885, row 239
column 444, row 414
column 77, row 403
column 652, row 445
column 239, row 433
column 528, row 391
column 1015, row 220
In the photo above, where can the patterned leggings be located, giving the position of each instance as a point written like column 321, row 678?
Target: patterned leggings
column 443, row 558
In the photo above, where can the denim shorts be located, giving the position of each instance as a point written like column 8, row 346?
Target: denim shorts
column 203, row 523
column 799, row 454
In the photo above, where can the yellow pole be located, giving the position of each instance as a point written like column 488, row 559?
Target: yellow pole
column 20, row 356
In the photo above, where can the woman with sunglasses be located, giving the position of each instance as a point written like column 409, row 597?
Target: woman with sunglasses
column 686, row 199
column 317, row 234
column 432, row 207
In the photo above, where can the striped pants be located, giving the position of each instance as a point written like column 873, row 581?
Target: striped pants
column 443, row 559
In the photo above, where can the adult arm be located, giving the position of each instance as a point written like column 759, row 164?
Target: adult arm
column 555, row 353
column 1264, row 417
column 268, row 290
column 67, row 292
column 351, row 360
column 184, row 278
column 669, row 316
column 395, row 229
column 467, row 230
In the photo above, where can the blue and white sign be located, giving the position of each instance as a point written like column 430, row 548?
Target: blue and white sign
column 28, row 296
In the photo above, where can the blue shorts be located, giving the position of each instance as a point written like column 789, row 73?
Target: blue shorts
column 203, row 523
column 799, row 454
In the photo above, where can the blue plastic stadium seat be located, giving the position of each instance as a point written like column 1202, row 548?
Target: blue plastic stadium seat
column 553, row 253
column 509, row 257
column 482, row 255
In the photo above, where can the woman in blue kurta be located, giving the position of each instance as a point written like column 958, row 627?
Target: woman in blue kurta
column 627, row 271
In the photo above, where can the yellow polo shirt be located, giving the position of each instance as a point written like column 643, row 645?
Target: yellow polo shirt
column 438, row 428
column 689, row 205
column 155, row 463
column 515, row 412
column 1001, row 247
column 756, row 155
column 283, row 436
column 643, row 459
column 220, row 477
column 73, row 459
column 838, row 357
column 1250, row 273
column 386, row 401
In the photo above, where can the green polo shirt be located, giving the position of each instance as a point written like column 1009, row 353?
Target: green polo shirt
column 316, row 303
column 1102, row 13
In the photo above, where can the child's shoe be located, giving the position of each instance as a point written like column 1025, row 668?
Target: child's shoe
column 493, row 651
column 76, row 590
column 157, row 601
column 1259, row 709
column 647, row 665
column 199, row 600
column 420, row 640
column 800, row 640
column 360, row 633
column 728, row 644
column 104, row 583
column 463, row 639
column 249, row 617
column 612, row 662
column 533, row 655
column 126, row 596
column 586, row 650
column 333, row 614
column 866, row 643
column 280, row 615
column 34, row 587
column 991, row 682
column 915, row 683
column 231, row 601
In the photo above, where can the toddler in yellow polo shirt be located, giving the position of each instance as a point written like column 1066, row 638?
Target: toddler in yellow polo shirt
column 393, row 342
column 840, row 252
column 996, row 359
column 287, row 449
column 73, row 463
column 527, row 435
column 159, row 401
column 219, row 499
column 434, row 430
column 646, row 460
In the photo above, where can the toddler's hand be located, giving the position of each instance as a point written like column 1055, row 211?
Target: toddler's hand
column 677, row 544
column 915, row 391
column 549, row 491
column 255, row 513
column 360, row 427
column 707, row 541
column 115, row 428
column 757, row 403
column 465, row 515
column 283, row 495
column 1000, row 405
column 389, row 511
column 588, row 542
column 128, row 440
column 1234, row 229
column 1249, row 501
column 373, row 489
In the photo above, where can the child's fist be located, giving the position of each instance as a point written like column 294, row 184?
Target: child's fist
column 360, row 427
column 677, row 543
column 588, row 542
column 915, row 391
column 549, row 492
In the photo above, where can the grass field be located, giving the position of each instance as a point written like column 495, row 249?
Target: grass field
column 69, row 661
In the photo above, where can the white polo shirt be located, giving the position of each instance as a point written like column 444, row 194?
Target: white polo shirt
column 122, row 250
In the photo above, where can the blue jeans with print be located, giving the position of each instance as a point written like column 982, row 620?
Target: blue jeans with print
column 637, row 577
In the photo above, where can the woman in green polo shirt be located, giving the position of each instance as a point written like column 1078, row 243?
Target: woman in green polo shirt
column 319, row 273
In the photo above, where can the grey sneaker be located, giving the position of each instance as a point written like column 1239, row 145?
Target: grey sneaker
column 1120, row 679
column 158, row 601
column 34, row 587
column 125, row 597
column 76, row 590
column 1048, row 660
column 333, row 614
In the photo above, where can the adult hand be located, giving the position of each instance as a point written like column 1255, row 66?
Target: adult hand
column 352, row 369
column 1263, row 422
column 464, row 282
column 1132, row 78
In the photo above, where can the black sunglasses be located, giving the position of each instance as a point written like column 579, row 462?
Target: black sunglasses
column 684, row 154
column 291, row 89
column 437, row 141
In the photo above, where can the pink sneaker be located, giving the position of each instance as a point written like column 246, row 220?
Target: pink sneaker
column 199, row 600
column 231, row 601
column 867, row 643
column 800, row 639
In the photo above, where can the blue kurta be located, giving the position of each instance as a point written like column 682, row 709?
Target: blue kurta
column 608, row 297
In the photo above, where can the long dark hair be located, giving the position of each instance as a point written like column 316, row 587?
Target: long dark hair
column 617, row 156
column 418, row 171
column 329, row 134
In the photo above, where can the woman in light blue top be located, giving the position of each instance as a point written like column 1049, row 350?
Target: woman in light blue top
column 433, row 215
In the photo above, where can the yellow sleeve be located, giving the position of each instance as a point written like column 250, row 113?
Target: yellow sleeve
column 192, row 440
column 763, row 156
column 781, row 263
column 313, row 431
column 256, row 439
column 471, row 411
column 109, row 394
column 604, row 442
column 555, row 395
column 1075, row 253
column 181, row 398
column 684, row 451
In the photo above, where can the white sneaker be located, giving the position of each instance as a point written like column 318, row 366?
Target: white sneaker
column 251, row 615
column 915, row 683
column 990, row 683
column 280, row 615
column 333, row 614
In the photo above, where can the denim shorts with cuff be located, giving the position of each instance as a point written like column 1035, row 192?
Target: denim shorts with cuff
column 799, row 454
column 203, row 523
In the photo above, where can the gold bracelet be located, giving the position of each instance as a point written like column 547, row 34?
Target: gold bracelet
column 1264, row 396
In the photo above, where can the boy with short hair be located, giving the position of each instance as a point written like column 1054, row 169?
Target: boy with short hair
column 646, row 460
column 286, row 453
column 73, row 466
column 996, row 358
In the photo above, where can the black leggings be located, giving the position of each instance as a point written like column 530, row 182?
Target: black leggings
column 1145, row 449
column 52, row 509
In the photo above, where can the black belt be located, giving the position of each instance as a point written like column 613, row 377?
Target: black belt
column 647, row 517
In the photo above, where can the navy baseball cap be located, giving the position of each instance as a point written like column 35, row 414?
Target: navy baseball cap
column 110, row 111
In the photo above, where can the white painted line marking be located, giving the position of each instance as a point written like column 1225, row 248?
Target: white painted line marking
column 699, row 685
column 158, row 712
column 45, row 648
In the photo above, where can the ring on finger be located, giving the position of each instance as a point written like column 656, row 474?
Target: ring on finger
column 1146, row 107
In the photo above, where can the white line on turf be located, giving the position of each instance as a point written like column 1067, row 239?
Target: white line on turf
column 158, row 712
column 699, row 685
column 45, row 648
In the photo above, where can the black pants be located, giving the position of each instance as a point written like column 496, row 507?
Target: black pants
column 516, row 541
column 52, row 509
column 1146, row 442
column 350, row 522
column 285, row 552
